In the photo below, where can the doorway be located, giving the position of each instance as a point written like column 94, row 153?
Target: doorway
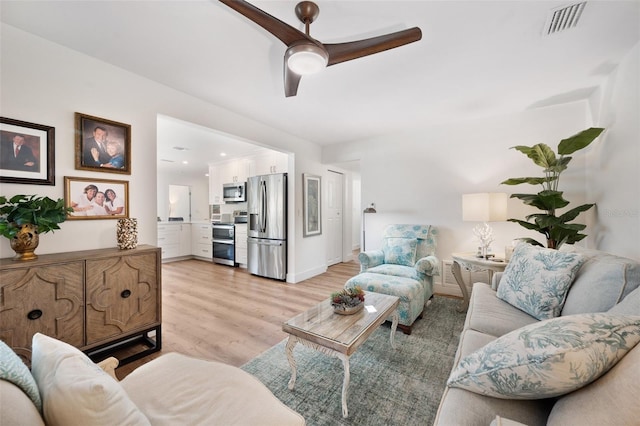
column 334, row 211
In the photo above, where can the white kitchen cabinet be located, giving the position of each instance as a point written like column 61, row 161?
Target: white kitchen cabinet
column 215, row 185
column 201, row 240
column 268, row 163
column 241, row 244
column 234, row 171
column 174, row 239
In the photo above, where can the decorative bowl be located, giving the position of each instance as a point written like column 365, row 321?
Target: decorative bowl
column 347, row 310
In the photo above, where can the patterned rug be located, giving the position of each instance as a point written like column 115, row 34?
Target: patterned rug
column 387, row 387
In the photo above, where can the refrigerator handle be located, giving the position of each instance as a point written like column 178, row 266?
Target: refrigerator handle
column 263, row 213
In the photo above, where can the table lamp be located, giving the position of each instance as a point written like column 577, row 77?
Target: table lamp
column 484, row 207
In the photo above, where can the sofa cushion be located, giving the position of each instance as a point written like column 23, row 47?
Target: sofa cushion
column 400, row 251
column 22, row 410
column 548, row 358
column 75, row 391
column 178, row 390
column 630, row 305
column 490, row 315
column 602, row 281
column 537, row 280
column 479, row 409
column 610, row 400
column 12, row 369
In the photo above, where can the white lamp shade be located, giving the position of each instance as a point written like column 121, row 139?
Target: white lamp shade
column 484, row 207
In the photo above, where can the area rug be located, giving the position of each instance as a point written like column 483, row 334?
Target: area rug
column 387, row 387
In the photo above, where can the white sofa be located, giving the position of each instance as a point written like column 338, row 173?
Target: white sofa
column 64, row 387
column 604, row 283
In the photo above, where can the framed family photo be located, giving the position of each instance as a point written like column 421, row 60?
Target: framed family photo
column 96, row 198
column 312, row 220
column 27, row 152
column 102, row 145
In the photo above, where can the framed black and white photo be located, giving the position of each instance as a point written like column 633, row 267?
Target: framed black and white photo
column 27, row 152
column 96, row 198
column 311, row 195
column 102, row 145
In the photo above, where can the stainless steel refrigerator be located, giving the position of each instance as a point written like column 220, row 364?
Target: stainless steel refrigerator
column 267, row 230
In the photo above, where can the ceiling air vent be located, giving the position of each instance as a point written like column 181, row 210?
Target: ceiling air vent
column 563, row 18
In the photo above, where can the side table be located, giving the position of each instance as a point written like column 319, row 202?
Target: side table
column 470, row 262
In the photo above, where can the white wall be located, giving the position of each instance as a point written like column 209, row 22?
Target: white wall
column 614, row 178
column 46, row 83
column 419, row 176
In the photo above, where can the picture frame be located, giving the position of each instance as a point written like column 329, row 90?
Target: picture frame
column 34, row 162
column 87, row 205
column 312, row 205
column 102, row 145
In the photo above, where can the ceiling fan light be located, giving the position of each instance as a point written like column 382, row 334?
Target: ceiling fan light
column 305, row 59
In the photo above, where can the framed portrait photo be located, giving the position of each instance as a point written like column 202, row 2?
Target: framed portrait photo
column 27, row 152
column 102, row 145
column 311, row 199
column 96, row 198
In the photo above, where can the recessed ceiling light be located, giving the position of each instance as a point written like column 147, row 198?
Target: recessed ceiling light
column 185, row 162
column 180, row 148
column 222, row 154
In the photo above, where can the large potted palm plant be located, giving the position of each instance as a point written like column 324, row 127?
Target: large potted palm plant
column 24, row 217
column 556, row 229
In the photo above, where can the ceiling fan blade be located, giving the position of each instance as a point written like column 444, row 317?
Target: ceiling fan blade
column 342, row 52
column 285, row 32
column 291, row 80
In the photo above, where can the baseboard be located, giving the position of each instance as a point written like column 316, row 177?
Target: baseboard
column 306, row 274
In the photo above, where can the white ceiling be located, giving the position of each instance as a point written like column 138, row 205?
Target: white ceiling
column 476, row 58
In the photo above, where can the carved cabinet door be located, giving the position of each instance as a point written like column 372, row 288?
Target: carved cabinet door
column 122, row 295
column 42, row 299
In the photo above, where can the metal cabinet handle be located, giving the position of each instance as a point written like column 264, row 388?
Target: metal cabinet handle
column 35, row 314
column 125, row 294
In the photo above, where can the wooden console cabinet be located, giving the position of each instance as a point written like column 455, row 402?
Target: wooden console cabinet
column 96, row 300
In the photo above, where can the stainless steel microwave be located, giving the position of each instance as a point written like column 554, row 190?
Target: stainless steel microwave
column 234, row 192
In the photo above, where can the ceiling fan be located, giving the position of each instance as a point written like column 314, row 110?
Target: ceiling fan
column 306, row 55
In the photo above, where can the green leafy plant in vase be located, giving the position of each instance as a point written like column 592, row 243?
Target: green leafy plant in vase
column 556, row 229
column 24, row 217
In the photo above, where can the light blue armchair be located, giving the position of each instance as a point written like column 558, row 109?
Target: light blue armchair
column 405, row 267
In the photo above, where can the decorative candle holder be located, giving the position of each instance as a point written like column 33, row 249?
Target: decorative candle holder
column 127, row 232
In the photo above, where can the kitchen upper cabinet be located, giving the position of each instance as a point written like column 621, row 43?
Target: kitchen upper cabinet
column 215, row 185
column 234, row 171
column 269, row 163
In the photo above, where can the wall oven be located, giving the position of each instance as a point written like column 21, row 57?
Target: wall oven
column 224, row 243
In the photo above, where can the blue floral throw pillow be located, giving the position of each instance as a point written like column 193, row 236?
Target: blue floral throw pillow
column 537, row 280
column 400, row 251
column 13, row 370
column 548, row 358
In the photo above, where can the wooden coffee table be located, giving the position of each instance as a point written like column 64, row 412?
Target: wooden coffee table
column 337, row 335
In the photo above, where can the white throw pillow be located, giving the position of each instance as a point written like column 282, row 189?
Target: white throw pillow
column 548, row 358
column 75, row 391
column 537, row 280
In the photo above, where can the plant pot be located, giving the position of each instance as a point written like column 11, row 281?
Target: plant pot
column 348, row 310
column 25, row 242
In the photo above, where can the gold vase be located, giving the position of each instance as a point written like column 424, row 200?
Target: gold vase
column 25, row 242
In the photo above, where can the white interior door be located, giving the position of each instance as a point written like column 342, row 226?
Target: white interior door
column 335, row 183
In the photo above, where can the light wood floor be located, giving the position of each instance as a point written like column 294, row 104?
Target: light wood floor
column 225, row 314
